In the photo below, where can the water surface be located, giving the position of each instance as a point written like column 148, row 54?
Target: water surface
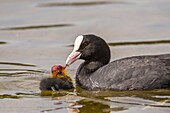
column 35, row 35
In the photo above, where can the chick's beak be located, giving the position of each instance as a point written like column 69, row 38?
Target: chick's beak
column 75, row 55
column 56, row 73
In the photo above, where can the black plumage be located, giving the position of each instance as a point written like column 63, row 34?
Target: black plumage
column 132, row 73
column 56, row 83
column 58, row 80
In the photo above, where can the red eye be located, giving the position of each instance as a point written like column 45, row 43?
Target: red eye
column 85, row 43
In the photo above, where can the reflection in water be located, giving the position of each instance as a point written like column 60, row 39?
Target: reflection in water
column 19, row 95
column 82, row 106
column 153, row 95
column 97, row 107
column 27, row 94
column 107, row 101
column 37, row 27
column 93, row 107
column 142, row 98
column 9, row 96
column 53, row 93
column 124, row 98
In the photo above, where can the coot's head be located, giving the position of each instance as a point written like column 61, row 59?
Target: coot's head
column 89, row 48
column 57, row 71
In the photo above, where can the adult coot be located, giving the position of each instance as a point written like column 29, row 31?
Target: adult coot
column 58, row 80
column 132, row 73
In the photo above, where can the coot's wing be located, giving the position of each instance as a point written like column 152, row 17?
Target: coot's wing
column 134, row 73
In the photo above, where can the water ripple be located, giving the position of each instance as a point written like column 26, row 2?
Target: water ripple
column 139, row 43
column 9, row 96
column 73, row 3
column 17, row 64
column 17, row 71
column 1, row 42
column 90, row 3
column 37, row 27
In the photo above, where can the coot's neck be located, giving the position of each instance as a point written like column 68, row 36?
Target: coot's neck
column 84, row 72
column 87, row 68
column 91, row 67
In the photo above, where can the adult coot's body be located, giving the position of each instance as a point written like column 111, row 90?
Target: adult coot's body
column 132, row 73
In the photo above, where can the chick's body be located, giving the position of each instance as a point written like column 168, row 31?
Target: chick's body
column 58, row 79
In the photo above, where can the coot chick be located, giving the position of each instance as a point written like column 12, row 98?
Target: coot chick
column 131, row 73
column 58, row 80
